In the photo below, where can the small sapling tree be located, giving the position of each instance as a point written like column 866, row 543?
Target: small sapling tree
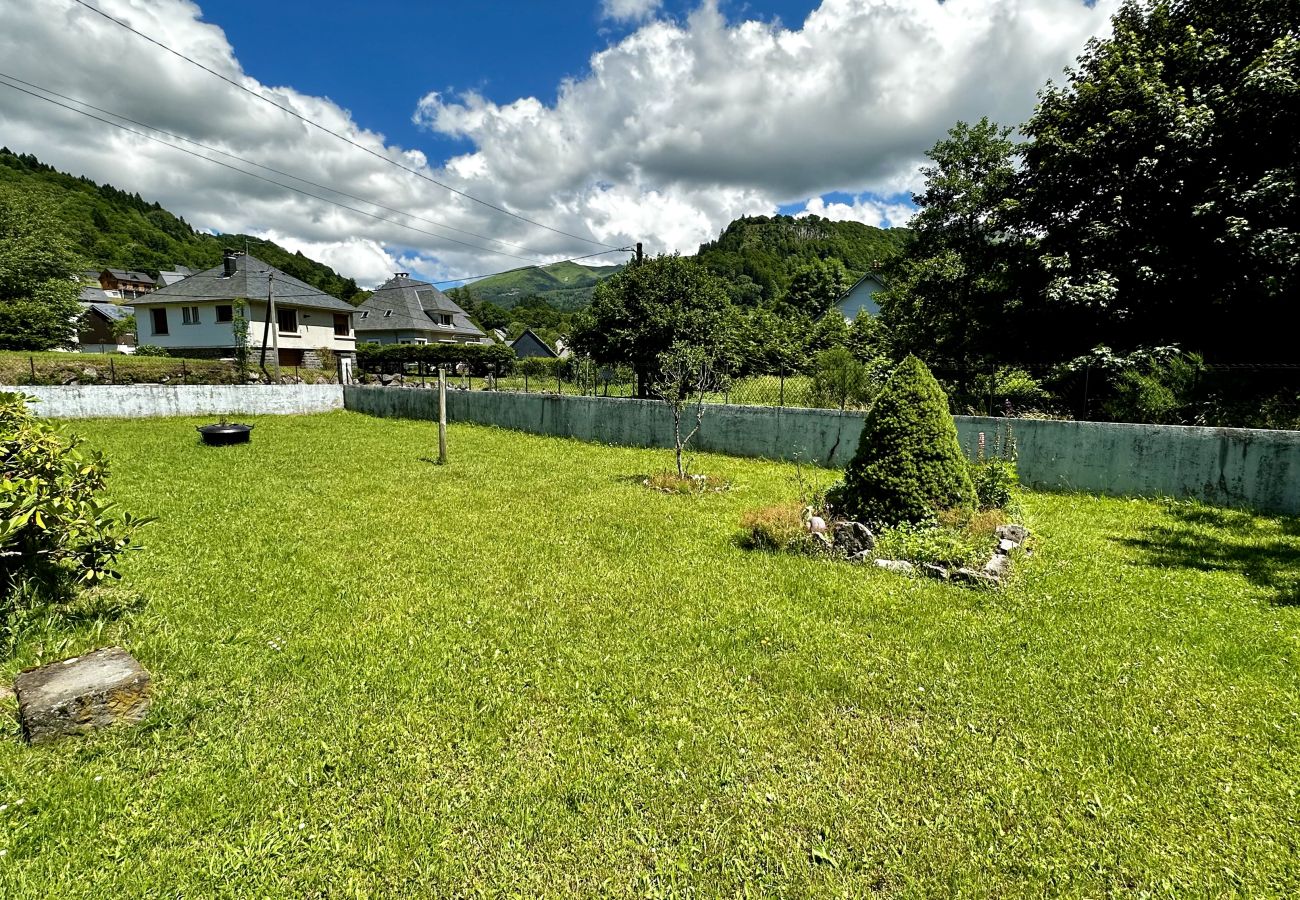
column 686, row 375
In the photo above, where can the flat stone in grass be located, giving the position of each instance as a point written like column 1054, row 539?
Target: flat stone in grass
column 81, row 694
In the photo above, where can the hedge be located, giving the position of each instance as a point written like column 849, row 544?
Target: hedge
column 481, row 359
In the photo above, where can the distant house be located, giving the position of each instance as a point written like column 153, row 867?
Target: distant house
column 195, row 316
column 861, row 297
column 171, row 276
column 405, row 311
column 529, row 344
column 99, row 325
column 126, row 282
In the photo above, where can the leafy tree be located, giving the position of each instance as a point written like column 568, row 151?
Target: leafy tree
column 38, row 271
column 57, row 531
column 839, row 379
column 949, row 297
column 908, row 465
column 815, row 287
column 640, row 313
column 1163, row 178
column 490, row 316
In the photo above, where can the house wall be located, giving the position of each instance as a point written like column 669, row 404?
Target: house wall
column 863, row 296
column 1227, row 466
column 315, row 329
column 409, row 336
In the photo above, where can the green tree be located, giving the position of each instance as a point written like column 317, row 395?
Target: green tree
column 908, row 465
column 639, row 314
column 1163, row 178
column 949, row 298
column 815, row 287
column 38, row 276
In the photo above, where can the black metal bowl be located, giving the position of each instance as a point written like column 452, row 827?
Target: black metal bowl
column 221, row 435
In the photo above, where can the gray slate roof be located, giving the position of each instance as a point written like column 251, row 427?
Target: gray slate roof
column 127, row 275
column 248, row 282
column 404, row 304
column 111, row 311
column 171, row 276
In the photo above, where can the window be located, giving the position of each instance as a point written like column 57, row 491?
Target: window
column 288, row 319
column 225, row 313
column 342, row 324
column 190, row 315
column 387, row 313
column 444, row 319
column 159, row 316
column 365, row 314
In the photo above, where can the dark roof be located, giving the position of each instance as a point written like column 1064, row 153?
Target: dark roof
column 127, row 275
column 404, row 304
column 529, row 344
column 249, row 282
column 111, row 311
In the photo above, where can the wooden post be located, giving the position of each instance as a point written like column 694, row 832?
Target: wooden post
column 442, row 415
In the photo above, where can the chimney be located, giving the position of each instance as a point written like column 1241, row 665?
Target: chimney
column 401, row 274
column 230, row 261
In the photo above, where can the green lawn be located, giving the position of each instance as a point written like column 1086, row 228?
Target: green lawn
column 525, row 674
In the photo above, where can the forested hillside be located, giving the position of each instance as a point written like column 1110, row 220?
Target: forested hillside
column 112, row 228
column 758, row 255
column 564, row 285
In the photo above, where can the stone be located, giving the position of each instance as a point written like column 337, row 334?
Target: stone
column 999, row 566
column 935, row 571
column 862, row 556
column 1006, row 546
column 1017, row 533
column 82, row 694
column 822, row 542
column 853, row 537
column 902, row 566
column 970, row 576
column 90, row 373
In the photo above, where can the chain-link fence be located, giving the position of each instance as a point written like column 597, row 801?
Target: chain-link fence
column 1263, row 395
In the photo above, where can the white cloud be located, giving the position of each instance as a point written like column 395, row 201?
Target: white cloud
column 629, row 10
column 676, row 129
column 881, row 214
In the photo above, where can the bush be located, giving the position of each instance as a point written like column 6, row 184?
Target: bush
column 56, row 530
column 481, row 359
column 908, row 464
column 839, row 380
column 993, row 471
column 151, row 350
column 930, row 542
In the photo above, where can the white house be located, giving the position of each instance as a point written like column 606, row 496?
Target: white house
column 195, row 316
column 861, row 297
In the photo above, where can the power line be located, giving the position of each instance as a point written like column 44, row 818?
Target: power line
column 289, row 187
column 328, row 131
column 179, row 137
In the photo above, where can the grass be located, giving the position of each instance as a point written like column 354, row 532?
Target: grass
column 53, row 367
column 525, row 674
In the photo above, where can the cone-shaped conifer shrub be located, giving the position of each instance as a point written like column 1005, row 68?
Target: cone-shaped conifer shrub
column 909, row 464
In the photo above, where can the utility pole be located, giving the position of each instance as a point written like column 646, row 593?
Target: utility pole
column 275, row 327
column 640, row 254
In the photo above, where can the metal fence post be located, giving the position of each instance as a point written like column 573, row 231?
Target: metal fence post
column 112, row 371
column 31, row 361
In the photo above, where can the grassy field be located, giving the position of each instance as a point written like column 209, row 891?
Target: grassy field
column 525, row 674
column 52, row 367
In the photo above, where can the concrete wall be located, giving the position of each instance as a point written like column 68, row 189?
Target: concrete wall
column 1227, row 466
column 143, row 400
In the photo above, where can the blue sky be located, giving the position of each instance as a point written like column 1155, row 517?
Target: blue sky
column 598, row 123
column 377, row 64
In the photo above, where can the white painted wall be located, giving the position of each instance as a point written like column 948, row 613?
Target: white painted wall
column 315, row 329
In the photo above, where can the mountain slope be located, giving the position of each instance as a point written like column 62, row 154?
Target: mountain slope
column 114, row 229
column 565, row 285
column 758, row 255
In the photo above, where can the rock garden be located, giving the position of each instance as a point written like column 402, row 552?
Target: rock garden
column 911, row 501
